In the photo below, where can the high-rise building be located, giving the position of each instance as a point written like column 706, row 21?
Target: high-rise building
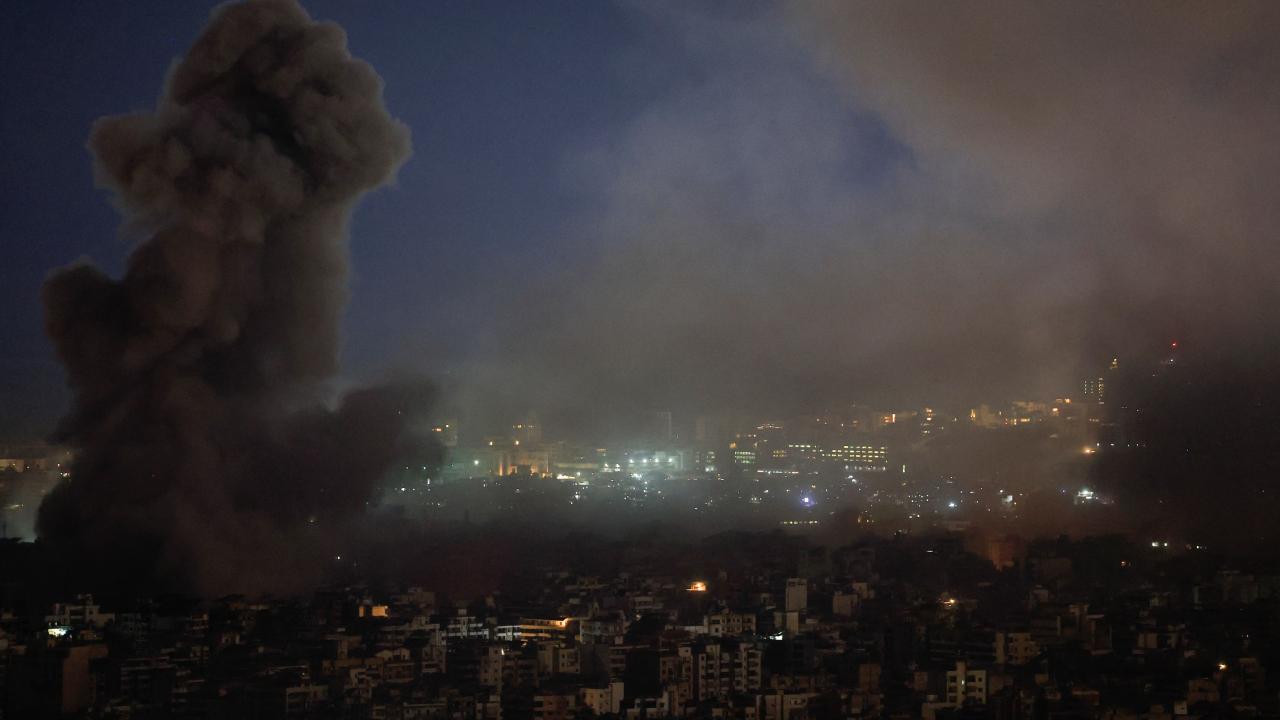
column 966, row 683
column 1094, row 389
column 928, row 422
column 797, row 595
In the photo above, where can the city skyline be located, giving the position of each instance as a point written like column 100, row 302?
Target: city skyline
column 617, row 360
column 753, row 222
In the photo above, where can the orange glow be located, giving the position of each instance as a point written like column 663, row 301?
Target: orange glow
column 697, row 586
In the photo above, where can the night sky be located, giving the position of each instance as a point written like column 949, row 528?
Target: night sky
column 727, row 205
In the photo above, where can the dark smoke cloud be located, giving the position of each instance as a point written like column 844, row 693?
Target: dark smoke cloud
column 206, row 457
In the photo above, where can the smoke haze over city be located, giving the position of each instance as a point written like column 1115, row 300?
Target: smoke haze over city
column 768, row 207
column 618, row 360
column 756, row 223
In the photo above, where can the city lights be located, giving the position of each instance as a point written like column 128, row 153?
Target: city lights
column 658, row 284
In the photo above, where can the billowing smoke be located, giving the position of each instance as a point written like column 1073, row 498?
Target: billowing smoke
column 896, row 203
column 207, row 457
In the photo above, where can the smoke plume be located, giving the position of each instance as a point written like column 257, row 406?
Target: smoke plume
column 206, row 457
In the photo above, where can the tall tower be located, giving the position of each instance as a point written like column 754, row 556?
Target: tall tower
column 797, row 594
column 1094, row 389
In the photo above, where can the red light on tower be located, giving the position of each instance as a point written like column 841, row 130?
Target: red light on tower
column 1174, row 345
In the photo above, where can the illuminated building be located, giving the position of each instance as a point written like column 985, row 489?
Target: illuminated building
column 82, row 613
column 721, row 669
column 705, row 460
column 928, row 422
column 463, row 625
column 1094, row 390
column 744, row 450
column 525, row 461
column 495, row 460
column 371, row 611
column 527, row 628
column 966, row 683
column 1015, row 648
column 984, row 416
column 662, row 460
column 805, row 451
column 1024, row 412
column 860, row 457
column 729, row 624
column 528, row 432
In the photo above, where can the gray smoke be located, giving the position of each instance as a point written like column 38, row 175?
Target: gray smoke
column 206, row 458
column 901, row 203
